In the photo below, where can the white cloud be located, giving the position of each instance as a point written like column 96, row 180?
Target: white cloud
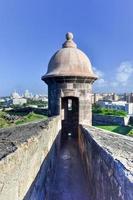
column 101, row 81
column 124, row 72
column 114, row 84
column 99, row 73
column 121, row 80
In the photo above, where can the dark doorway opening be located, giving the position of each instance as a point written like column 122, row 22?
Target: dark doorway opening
column 70, row 121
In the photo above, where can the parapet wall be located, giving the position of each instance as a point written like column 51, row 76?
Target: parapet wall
column 28, row 156
column 108, row 163
column 23, row 150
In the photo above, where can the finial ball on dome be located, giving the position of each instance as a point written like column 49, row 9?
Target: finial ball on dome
column 69, row 36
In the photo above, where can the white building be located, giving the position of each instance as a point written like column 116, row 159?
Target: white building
column 16, row 99
column 40, row 97
column 117, row 105
column 28, row 95
column 2, row 100
column 19, row 101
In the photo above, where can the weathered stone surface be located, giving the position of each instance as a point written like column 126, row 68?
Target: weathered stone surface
column 28, row 161
column 108, row 162
column 69, row 61
column 40, row 188
column 70, row 87
column 70, row 74
column 70, row 182
column 22, row 153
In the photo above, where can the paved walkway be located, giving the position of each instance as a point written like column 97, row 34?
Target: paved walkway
column 69, row 182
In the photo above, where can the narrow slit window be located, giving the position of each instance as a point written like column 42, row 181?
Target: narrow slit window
column 69, row 104
column 69, row 134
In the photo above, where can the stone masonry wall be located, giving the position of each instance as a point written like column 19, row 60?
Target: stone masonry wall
column 40, row 188
column 25, row 150
column 71, row 88
column 98, row 119
column 108, row 163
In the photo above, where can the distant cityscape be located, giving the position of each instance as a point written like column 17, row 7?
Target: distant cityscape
column 27, row 99
column 106, row 100
column 114, row 101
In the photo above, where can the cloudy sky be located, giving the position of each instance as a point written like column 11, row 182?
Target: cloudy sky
column 32, row 30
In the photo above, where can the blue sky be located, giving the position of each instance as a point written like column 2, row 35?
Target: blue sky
column 32, row 30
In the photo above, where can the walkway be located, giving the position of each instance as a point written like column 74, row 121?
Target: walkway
column 69, row 182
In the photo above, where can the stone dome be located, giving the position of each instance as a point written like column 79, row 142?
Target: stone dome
column 69, row 61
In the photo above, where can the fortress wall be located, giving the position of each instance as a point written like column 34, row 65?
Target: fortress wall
column 98, row 119
column 28, row 158
column 108, row 163
column 42, row 111
column 23, row 150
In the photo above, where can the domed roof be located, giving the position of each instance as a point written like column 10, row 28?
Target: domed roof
column 69, row 61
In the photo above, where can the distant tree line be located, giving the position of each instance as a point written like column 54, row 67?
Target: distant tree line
column 106, row 111
column 38, row 103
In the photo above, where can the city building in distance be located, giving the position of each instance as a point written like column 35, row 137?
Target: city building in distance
column 114, row 101
column 26, row 99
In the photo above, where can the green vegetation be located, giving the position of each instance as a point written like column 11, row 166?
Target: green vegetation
column 1, row 104
column 104, row 111
column 8, row 118
column 38, row 103
column 3, row 122
column 131, row 132
column 124, row 130
column 31, row 102
column 29, row 118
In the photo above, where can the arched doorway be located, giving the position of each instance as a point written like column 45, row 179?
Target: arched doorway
column 70, row 121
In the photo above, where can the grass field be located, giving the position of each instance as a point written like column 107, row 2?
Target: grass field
column 124, row 130
column 21, row 120
column 29, row 118
column 107, row 111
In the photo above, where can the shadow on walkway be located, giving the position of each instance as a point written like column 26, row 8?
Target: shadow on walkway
column 69, row 181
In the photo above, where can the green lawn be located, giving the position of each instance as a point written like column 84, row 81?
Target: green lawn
column 124, row 130
column 96, row 109
column 22, row 120
column 29, row 118
column 4, row 123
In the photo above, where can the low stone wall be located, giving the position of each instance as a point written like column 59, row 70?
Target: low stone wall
column 28, row 156
column 98, row 119
column 42, row 111
column 25, row 150
column 108, row 163
column 40, row 188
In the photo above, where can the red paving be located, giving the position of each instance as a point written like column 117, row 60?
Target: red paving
column 69, row 182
